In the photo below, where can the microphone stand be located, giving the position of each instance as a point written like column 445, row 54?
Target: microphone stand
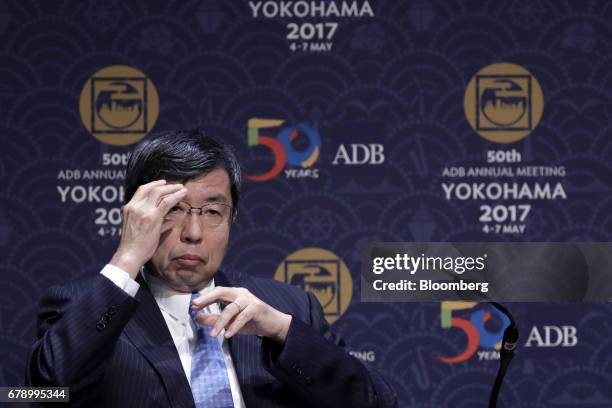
column 509, row 343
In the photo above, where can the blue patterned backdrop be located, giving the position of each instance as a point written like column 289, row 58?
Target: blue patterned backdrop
column 395, row 77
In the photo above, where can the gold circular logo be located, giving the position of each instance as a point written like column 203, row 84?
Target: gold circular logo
column 119, row 105
column 503, row 102
column 322, row 273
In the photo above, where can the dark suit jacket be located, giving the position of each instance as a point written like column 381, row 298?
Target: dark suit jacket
column 113, row 350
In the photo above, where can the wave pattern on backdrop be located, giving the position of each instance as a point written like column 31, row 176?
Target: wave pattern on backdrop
column 383, row 88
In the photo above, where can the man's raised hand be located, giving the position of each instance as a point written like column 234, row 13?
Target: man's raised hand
column 143, row 223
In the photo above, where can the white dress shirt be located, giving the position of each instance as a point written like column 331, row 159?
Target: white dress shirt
column 175, row 309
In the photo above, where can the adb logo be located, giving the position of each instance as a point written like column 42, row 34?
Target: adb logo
column 484, row 328
column 322, row 273
column 503, row 102
column 119, row 105
column 297, row 146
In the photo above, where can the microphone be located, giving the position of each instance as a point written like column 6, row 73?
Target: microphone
column 509, row 343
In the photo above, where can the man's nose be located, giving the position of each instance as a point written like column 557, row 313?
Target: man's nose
column 192, row 228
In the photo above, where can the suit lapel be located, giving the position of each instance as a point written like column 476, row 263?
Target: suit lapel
column 148, row 331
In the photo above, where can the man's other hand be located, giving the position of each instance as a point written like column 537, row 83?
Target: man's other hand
column 245, row 313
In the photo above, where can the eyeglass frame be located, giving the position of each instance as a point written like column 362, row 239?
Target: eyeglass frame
column 232, row 215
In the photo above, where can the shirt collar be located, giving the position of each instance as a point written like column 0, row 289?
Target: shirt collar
column 172, row 301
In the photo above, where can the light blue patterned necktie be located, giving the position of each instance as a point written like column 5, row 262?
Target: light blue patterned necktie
column 209, row 383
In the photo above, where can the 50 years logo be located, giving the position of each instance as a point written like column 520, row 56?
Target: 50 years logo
column 503, row 102
column 119, row 105
column 484, row 328
column 295, row 146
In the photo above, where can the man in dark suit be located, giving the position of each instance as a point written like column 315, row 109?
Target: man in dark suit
column 161, row 326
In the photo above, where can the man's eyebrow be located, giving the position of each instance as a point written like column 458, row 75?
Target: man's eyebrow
column 217, row 198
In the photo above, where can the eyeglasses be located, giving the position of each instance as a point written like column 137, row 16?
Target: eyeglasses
column 213, row 214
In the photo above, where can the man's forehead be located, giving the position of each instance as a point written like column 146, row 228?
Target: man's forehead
column 211, row 186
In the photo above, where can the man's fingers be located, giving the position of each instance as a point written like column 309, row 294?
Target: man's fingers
column 159, row 192
column 170, row 200
column 226, row 316
column 218, row 294
column 144, row 189
column 239, row 321
column 207, row 319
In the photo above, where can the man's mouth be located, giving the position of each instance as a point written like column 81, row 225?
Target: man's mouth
column 188, row 260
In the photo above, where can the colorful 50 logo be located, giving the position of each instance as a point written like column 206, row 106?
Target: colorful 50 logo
column 477, row 331
column 282, row 145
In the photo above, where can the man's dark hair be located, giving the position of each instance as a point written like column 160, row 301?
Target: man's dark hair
column 181, row 155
